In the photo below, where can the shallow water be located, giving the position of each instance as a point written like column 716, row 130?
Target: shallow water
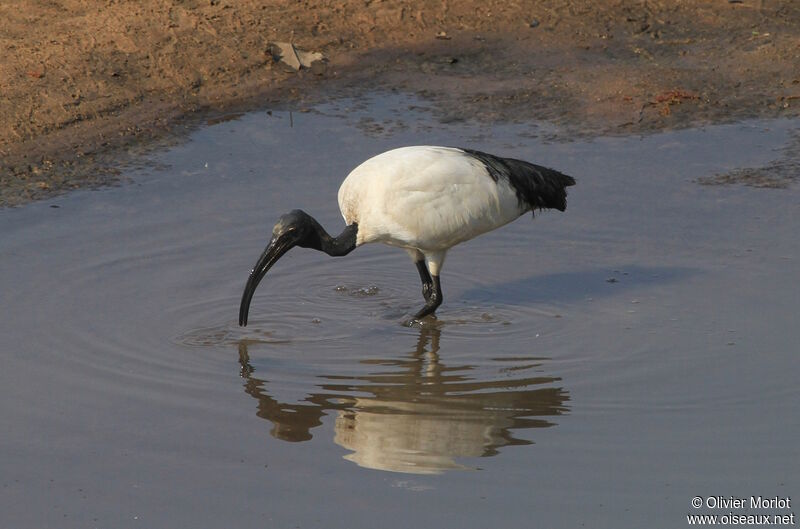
column 599, row 367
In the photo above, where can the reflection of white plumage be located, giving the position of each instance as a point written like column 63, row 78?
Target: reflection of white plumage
column 424, row 199
column 417, row 437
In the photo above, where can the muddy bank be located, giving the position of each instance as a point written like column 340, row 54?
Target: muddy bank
column 86, row 85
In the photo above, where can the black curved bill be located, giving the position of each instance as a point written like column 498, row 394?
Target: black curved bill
column 274, row 251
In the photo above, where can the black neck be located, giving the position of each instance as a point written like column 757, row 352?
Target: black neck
column 319, row 239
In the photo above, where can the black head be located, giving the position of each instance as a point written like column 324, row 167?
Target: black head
column 296, row 228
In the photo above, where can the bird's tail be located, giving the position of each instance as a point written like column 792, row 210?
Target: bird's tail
column 536, row 186
column 545, row 187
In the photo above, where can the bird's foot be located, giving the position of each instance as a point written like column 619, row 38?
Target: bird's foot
column 432, row 302
column 419, row 323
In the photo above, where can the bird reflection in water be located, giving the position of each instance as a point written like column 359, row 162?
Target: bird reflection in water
column 416, row 414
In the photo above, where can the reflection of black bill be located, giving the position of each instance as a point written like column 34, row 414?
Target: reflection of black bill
column 274, row 251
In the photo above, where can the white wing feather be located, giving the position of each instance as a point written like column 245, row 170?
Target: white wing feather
column 424, row 197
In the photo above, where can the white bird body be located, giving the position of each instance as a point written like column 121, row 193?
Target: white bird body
column 424, row 199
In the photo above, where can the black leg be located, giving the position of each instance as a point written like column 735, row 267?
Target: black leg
column 433, row 300
column 425, row 277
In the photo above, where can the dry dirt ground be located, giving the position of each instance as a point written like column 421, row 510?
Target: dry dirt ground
column 85, row 82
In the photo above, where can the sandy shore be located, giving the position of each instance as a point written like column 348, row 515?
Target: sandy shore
column 83, row 84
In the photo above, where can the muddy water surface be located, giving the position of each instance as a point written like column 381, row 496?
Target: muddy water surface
column 599, row 367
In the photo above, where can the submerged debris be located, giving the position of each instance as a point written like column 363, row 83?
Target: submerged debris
column 358, row 292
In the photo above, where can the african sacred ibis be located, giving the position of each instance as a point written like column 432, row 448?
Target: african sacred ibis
column 424, row 199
